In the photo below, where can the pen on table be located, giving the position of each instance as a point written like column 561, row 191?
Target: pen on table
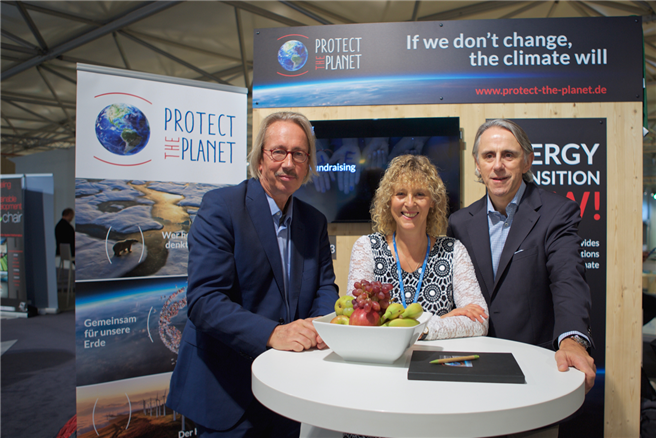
column 455, row 359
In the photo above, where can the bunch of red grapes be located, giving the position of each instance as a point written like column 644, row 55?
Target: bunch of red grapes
column 371, row 296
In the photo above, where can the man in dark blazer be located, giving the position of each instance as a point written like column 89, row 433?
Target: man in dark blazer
column 525, row 247
column 259, row 269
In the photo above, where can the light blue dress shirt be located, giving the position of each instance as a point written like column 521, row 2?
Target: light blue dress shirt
column 499, row 225
column 282, row 226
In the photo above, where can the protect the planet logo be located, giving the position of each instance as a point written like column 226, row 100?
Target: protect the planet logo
column 292, row 55
column 122, row 129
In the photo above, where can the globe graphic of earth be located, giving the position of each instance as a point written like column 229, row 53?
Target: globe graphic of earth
column 122, row 129
column 292, row 55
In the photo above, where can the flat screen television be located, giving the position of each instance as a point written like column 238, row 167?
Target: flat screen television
column 352, row 156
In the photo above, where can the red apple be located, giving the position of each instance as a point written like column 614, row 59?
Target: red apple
column 362, row 317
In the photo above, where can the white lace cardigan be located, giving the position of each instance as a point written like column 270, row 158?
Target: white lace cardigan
column 465, row 290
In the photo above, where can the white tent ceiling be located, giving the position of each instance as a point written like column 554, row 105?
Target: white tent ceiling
column 212, row 41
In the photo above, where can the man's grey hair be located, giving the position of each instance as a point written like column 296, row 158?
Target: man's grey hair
column 519, row 134
column 257, row 150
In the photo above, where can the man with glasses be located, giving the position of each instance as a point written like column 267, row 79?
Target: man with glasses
column 259, row 270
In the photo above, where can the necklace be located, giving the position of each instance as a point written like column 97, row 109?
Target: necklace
column 409, row 264
column 398, row 270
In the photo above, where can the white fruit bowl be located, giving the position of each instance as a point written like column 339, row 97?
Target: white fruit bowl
column 369, row 344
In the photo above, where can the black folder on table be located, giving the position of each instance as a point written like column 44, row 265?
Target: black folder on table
column 489, row 367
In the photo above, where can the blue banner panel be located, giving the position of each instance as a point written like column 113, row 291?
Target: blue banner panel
column 471, row 61
column 128, row 328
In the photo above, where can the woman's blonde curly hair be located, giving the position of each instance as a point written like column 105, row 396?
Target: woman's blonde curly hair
column 411, row 171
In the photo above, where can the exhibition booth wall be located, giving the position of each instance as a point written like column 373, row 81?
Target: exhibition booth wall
column 439, row 70
column 148, row 147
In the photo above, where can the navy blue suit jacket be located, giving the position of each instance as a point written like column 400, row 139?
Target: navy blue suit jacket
column 235, row 297
column 540, row 290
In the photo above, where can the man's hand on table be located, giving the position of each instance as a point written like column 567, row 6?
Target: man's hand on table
column 572, row 354
column 296, row 336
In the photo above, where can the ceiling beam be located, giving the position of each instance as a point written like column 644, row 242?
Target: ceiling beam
column 465, row 11
column 120, row 51
column 242, row 50
column 22, row 119
column 6, row 57
column 54, row 13
column 642, row 4
column 37, row 142
column 125, row 20
column 622, row 6
column 19, row 40
column 51, row 128
column 56, row 73
column 16, row 129
column 305, row 12
column 415, row 10
column 524, row 8
column 31, row 25
column 24, row 137
column 583, row 9
column 54, row 93
column 650, row 39
column 173, row 58
column 147, row 37
column 37, row 115
column 76, row 60
column 49, row 131
column 14, row 97
column 312, row 6
column 652, row 5
column 650, row 59
column 21, row 49
column 264, row 13
column 552, row 8
column 238, row 70
column 11, row 126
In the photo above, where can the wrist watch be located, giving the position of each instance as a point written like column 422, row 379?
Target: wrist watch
column 580, row 340
column 423, row 335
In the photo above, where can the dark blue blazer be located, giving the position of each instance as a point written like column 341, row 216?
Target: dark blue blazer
column 235, row 297
column 540, row 291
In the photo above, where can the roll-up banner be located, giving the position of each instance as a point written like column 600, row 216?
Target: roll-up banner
column 148, row 147
column 12, row 244
column 597, row 59
column 570, row 159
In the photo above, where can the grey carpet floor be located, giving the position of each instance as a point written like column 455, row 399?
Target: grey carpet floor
column 38, row 374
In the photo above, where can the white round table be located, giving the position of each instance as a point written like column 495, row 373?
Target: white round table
column 320, row 389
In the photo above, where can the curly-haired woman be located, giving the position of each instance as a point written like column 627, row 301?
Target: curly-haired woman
column 409, row 250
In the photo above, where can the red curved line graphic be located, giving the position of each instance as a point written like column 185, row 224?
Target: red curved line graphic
column 293, row 34
column 292, row 76
column 126, row 94
column 116, row 164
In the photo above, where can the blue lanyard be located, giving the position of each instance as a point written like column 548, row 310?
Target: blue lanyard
column 398, row 269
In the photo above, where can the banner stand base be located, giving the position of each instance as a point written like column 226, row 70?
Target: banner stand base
column 8, row 314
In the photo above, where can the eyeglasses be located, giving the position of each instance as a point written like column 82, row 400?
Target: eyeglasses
column 281, row 155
